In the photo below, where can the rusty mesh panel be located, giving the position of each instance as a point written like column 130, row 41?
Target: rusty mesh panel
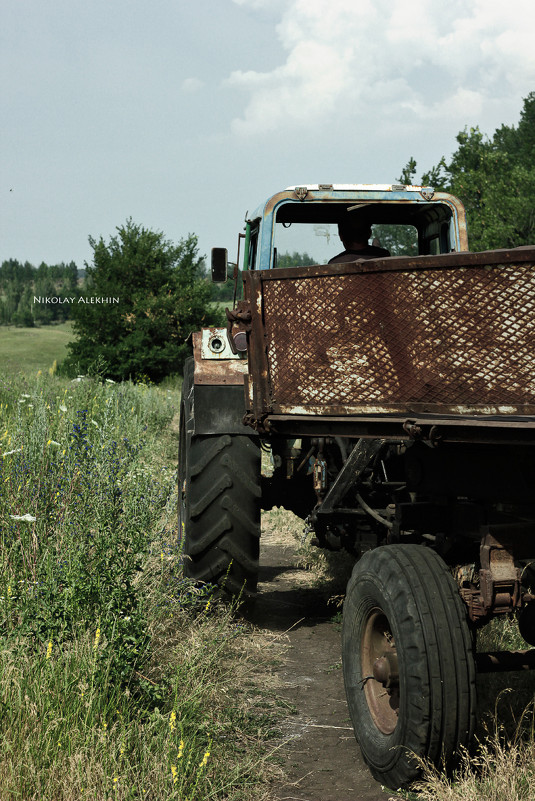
column 441, row 337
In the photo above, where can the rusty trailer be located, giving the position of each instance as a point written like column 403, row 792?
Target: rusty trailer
column 399, row 345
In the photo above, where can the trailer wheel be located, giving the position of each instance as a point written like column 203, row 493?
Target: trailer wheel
column 219, row 506
column 409, row 670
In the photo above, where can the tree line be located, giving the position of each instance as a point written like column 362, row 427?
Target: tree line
column 21, row 282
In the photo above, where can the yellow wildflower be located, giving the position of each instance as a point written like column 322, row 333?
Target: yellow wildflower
column 180, row 750
column 172, row 720
column 97, row 638
column 204, row 759
column 175, row 773
column 49, row 650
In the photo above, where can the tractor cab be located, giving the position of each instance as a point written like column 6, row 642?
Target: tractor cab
column 299, row 226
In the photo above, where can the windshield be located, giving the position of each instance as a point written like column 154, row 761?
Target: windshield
column 304, row 243
column 308, row 233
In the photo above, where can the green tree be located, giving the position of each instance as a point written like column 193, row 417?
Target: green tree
column 23, row 315
column 163, row 296
column 495, row 179
column 294, row 259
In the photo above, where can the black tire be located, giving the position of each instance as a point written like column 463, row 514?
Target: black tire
column 219, row 505
column 409, row 669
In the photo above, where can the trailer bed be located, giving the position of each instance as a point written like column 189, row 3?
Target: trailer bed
column 364, row 346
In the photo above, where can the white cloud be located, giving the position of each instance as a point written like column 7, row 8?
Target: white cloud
column 366, row 60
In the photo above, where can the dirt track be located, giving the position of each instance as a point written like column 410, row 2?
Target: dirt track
column 320, row 756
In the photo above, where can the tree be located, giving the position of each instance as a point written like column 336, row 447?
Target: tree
column 495, row 179
column 162, row 294
column 294, row 259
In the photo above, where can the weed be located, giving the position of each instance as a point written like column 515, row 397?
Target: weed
column 118, row 678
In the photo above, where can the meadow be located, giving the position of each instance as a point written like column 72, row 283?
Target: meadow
column 118, row 678
column 33, row 348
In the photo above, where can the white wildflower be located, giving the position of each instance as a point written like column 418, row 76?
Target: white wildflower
column 53, row 442
column 25, row 396
column 95, row 423
column 110, row 381
column 63, row 407
column 26, row 518
column 8, row 453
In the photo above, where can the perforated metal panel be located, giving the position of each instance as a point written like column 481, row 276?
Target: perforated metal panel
column 452, row 338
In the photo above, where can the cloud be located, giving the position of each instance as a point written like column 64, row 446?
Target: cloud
column 361, row 60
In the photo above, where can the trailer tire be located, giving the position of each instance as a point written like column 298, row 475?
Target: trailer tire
column 219, row 507
column 409, row 669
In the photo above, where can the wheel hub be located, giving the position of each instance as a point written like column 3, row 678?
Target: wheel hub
column 385, row 669
column 380, row 671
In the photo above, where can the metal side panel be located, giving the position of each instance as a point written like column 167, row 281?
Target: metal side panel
column 446, row 335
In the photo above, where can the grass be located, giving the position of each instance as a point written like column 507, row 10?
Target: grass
column 502, row 769
column 34, row 348
column 118, row 679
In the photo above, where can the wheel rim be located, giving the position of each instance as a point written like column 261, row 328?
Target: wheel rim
column 380, row 671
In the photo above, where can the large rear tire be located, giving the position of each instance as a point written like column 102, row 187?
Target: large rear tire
column 409, row 670
column 219, row 505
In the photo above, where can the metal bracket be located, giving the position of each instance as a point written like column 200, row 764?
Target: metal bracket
column 350, row 475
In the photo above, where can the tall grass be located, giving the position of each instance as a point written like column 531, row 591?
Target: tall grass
column 117, row 678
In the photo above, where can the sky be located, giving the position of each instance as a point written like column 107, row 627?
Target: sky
column 186, row 115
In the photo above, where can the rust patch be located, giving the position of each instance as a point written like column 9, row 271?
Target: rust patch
column 216, row 371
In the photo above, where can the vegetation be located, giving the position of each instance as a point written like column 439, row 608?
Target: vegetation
column 224, row 293
column 35, row 348
column 399, row 240
column 21, row 283
column 152, row 296
column 117, row 678
column 294, row 259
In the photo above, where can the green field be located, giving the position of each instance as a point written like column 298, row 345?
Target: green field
column 33, row 349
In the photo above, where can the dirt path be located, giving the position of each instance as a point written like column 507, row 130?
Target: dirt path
column 321, row 758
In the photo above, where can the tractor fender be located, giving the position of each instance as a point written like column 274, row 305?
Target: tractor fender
column 216, row 392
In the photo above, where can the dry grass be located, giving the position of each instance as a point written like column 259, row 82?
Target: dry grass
column 328, row 571
column 503, row 769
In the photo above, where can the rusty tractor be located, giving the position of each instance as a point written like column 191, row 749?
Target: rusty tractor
column 395, row 395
